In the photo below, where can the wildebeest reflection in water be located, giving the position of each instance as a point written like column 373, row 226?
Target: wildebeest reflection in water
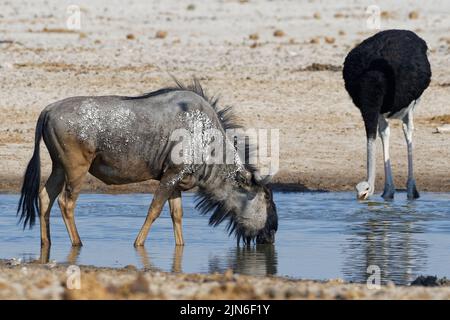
column 144, row 257
column 71, row 258
column 259, row 260
column 388, row 243
column 177, row 259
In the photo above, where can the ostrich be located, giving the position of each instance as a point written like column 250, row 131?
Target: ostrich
column 385, row 76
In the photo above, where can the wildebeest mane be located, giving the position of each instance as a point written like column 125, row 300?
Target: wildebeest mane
column 226, row 116
column 208, row 203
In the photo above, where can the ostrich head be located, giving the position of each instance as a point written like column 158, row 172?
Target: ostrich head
column 364, row 190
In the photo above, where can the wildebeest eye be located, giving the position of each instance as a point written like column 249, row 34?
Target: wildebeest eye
column 251, row 195
column 267, row 194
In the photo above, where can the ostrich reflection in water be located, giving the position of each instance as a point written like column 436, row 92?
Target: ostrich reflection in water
column 389, row 239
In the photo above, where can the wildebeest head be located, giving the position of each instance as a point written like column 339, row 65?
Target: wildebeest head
column 258, row 217
column 247, row 204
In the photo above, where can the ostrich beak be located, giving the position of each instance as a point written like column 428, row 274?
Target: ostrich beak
column 363, row 195
column 363, row 190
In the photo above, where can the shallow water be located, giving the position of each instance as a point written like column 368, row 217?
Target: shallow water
column 320, row 236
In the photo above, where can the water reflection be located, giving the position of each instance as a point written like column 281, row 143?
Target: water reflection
column 388, row 238
column 72, row 256
column 258, row 260
column 321, row 236
column 177, row 259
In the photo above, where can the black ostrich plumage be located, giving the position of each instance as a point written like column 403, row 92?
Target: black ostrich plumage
column 385, row 73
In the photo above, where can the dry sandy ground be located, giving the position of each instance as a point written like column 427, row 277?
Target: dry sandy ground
column 272, row 81
column 34, row 281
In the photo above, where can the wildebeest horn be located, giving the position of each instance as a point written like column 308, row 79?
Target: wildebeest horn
column 245, row 176
column 262, row 179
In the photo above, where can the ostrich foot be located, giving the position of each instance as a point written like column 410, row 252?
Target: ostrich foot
column 412, row 190
column 388, row 193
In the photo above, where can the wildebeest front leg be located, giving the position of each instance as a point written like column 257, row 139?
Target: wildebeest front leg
column 160, row 197
column 176, row 212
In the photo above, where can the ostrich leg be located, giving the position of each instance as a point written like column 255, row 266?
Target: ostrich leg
column 408, row 128
column 384, row 130
column 371, row 164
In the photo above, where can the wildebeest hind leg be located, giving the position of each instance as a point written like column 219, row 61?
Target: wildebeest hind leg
column 47, row 197
column 68, row 198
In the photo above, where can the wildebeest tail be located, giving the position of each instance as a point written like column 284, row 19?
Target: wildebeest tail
column 28, row 203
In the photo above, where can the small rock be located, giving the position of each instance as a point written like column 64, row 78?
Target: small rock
column 190, row 7
column 430, row 281
column 329, row 40
column 317, row 15
column 161, row 34
column 253, row 36
column 51, row 264
column 130, row 267
column 413, row 15
column 386, row 14
column 15, row 262
column 278, row 33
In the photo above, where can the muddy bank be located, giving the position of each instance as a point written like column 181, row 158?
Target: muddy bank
column 35, row 281
column 285, row 182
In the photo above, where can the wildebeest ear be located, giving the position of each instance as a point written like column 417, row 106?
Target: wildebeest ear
column 244, row 177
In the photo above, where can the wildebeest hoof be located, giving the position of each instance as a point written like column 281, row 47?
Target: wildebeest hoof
column 138, row 244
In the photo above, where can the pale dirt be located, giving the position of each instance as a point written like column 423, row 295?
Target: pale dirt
column 271, row 82
column 35, row 281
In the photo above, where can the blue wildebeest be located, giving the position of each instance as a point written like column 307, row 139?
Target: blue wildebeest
column 123, row 140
